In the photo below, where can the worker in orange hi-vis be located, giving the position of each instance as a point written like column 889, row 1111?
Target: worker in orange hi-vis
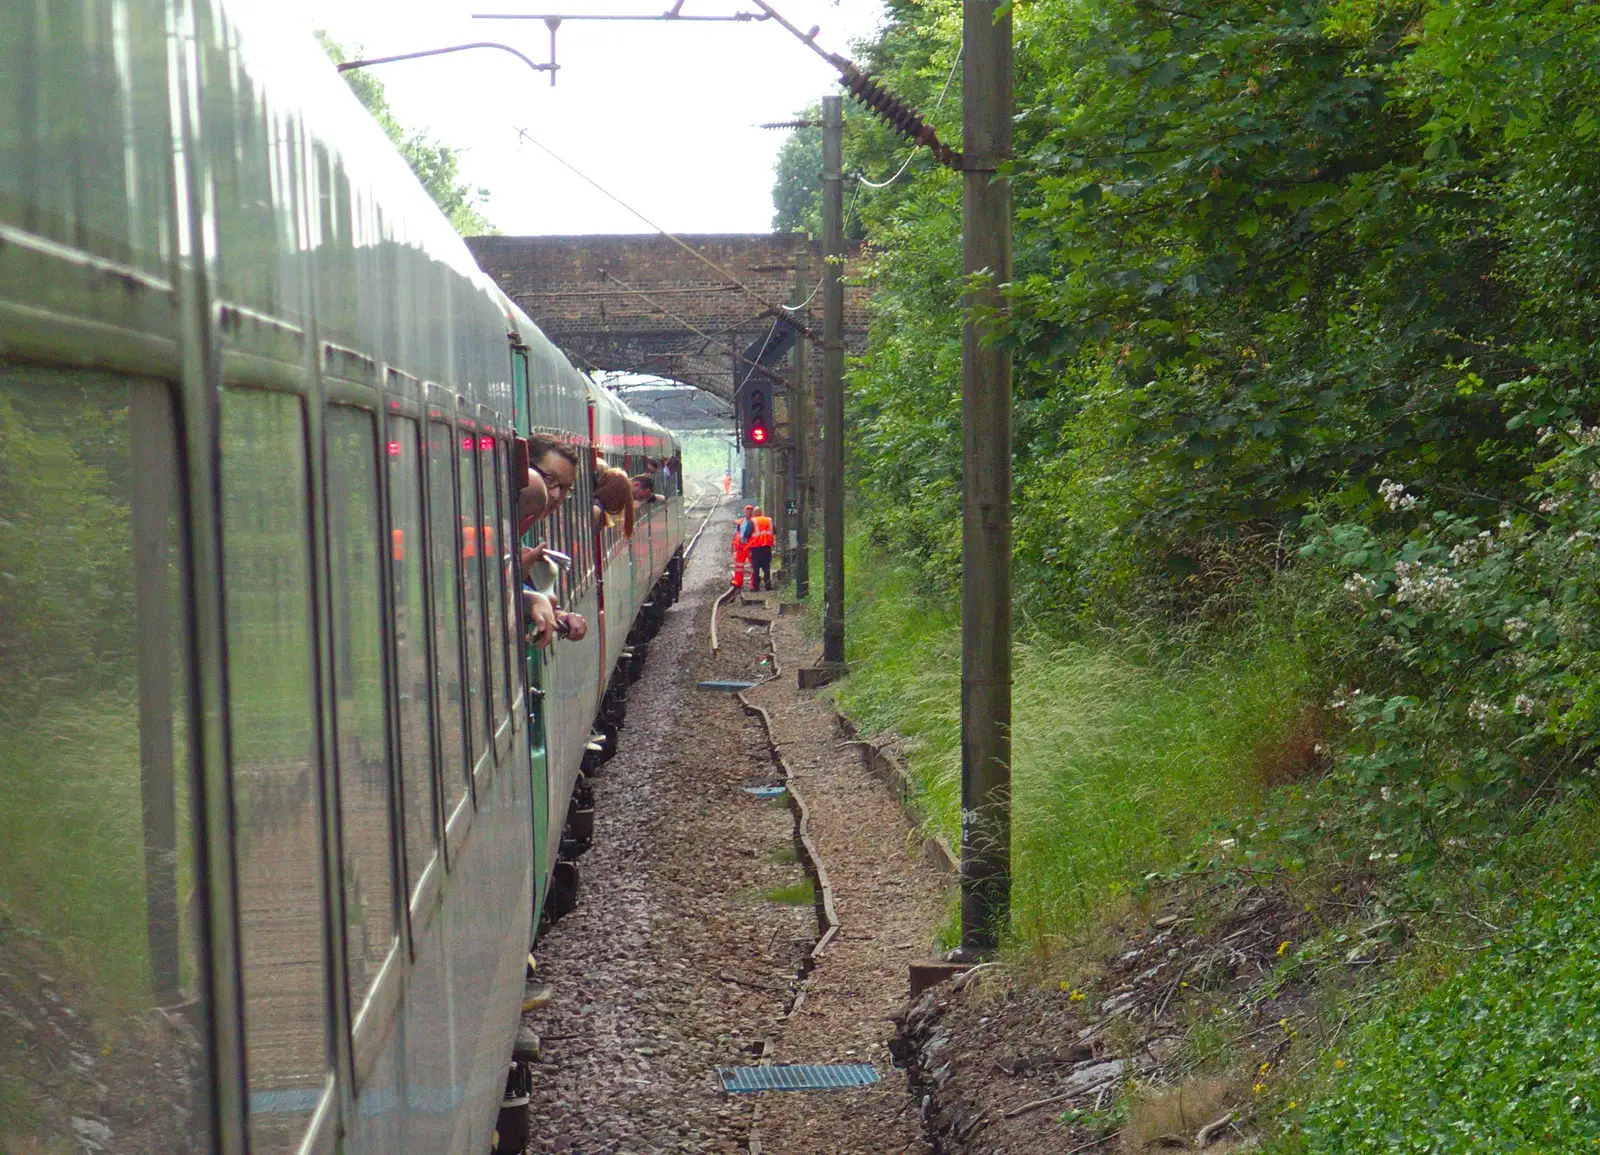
column 761, row 543
column 741, row 557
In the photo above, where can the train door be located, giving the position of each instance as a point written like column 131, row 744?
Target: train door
column 538, row 752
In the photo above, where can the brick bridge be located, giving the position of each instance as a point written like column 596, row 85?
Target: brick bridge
column 641, row 304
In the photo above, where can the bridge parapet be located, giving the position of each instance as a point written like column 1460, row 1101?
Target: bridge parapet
column 642, row 304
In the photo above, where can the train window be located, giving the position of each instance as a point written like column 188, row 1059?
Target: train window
column 519, row 388
column 491, row 480
column 276, row 785
column 355, row 577
column 444, row 537
column 97, row 877
column 417, row 789
column 583, row 523
column 473, row 546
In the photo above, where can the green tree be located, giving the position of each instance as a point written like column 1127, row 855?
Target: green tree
column 437, row 165
column 797, row 184
column 797, row 190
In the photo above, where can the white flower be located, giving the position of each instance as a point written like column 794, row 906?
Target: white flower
column 1514, row 628
column 1395, row 496
column 1525, row 705
column 1359, row 586
column 1427, row 586
column 1480, row 712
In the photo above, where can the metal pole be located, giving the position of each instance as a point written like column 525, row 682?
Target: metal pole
column 772, row 453
column 800, row 414
column 986, row 484
column 832, row 381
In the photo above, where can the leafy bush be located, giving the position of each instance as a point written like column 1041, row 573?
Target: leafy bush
column 1485, row 649
column 1504, row 1057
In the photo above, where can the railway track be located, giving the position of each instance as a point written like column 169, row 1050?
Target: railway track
column 715, row 499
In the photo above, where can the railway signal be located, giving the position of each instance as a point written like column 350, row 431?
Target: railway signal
column 755, row 415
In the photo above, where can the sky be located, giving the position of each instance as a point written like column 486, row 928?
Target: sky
column 662, row 115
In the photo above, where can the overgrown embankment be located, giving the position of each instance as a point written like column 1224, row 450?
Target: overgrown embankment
column 1188, row 783
column 1306, row 323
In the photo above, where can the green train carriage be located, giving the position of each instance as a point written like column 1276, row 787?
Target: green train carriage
column 276, row 771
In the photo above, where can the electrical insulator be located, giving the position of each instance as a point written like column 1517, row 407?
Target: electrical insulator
column 894, row 112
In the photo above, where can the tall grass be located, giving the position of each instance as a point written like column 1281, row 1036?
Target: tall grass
column 1125, row 748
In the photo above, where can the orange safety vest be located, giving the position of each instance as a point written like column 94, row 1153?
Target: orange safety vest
column 763, row 533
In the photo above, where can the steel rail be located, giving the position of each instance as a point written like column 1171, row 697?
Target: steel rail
column 716, row 500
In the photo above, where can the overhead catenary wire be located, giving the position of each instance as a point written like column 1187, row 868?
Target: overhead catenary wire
column 693, row 328
column 765, row 343
column 523, row 134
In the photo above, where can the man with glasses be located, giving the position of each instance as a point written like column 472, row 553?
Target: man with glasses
column 552, row 468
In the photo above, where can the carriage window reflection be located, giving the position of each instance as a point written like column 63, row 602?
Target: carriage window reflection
column 505, row 615
column 493, row 599
column 99, row 906
column 276, row 785
column 354, row 576
column 444, row 533
column 411, row 649
column 473, row 544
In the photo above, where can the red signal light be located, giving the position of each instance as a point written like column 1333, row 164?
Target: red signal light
column 758, row 434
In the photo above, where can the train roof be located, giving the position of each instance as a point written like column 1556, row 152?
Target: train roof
column 400, row 284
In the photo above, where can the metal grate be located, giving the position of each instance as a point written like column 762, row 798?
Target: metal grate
column 823, row 1077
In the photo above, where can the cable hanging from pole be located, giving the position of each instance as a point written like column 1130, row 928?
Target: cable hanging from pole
column 524, row 135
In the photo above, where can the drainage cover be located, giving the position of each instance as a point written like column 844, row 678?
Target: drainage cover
column 767, row 791
column 729, row 686
column 797, row 1078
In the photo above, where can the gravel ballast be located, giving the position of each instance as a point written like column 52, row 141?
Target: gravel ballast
column 692, row 939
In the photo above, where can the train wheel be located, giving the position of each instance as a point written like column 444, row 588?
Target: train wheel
column 608, row 738
column 512, row 1127
column 562, row 897
column 511, row 1130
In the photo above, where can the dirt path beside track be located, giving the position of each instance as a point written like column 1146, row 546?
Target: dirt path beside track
column 888, row 903
column 693, row 921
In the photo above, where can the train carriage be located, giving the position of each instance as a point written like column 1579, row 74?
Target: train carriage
column 281, row 787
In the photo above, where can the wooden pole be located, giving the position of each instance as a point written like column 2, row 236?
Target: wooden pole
column 986, row 484
column 833, row 381
column 800, row 413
